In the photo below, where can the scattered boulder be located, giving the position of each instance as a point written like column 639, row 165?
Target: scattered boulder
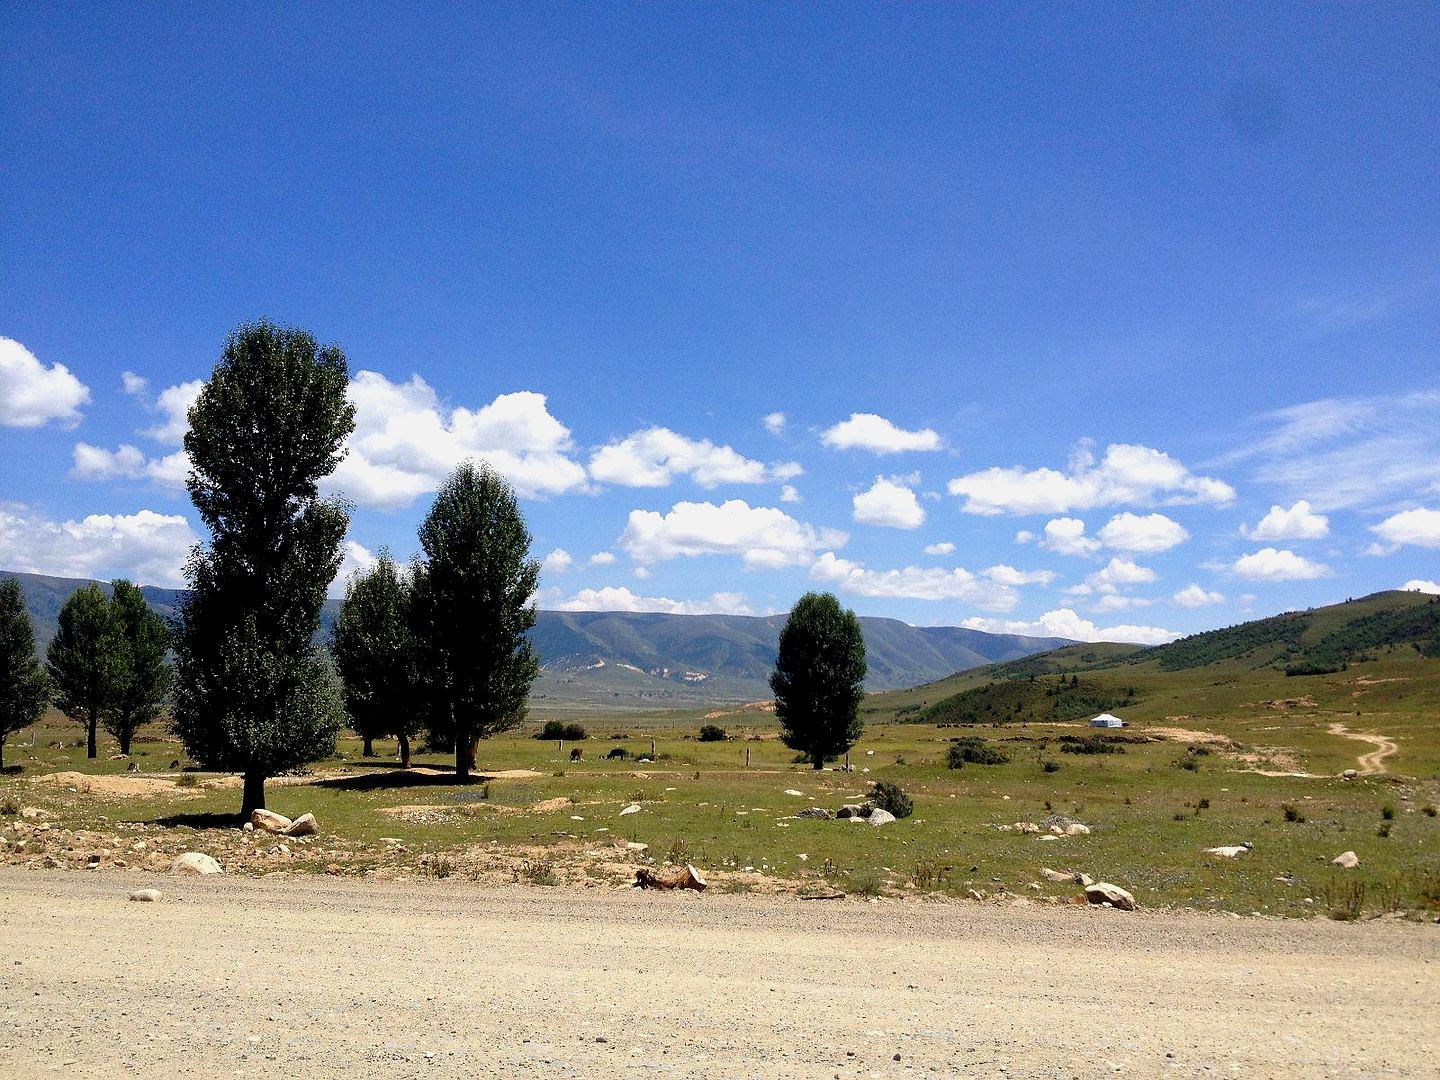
column 1049, row 836
column 1231, row 851
column 685, row 877
column 1102, row 892
column 147, row 896
column 270, row 821
column 1346, row 860
column 792, row 791
column 1064, row 877
column 880, row 817
column 1349, row 774
column 175, row 764
column 1077, row 829
column 134, row 766
column 856, row 810
column 819, row 813
column 195, row 862
column 304, row 825
column 633, row 808
column 1026, row 827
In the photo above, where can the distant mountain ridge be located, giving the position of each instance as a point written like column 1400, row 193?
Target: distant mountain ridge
column 653, row 658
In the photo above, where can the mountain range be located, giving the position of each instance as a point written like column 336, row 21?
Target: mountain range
column 620, row 659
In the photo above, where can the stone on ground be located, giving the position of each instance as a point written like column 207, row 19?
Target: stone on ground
column 269, row 821
column 195, row 862
column 1102, row 892
column 880, row 817
column 147, row 896
column 1346, row 860
column 633, row 808
column 304, row 825
column 819, row 813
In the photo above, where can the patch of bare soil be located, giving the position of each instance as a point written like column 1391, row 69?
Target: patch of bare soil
column 1189, row 735
column 125, row 787
column 1373, row 763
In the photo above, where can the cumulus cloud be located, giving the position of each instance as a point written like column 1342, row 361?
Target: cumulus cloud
column 130, row 463
column 1271, row 564
column 1147, row 534
column 406, row 442
column 32, row 395
column 1118, row 574
column 173, row 405
column 1008, row 575
column 1067, row 623
column 913, row 583
column 788, row 494
column 146, row 547
column 355, row 558
column 558, row 561
column 888, row 503
column 1126, row 475
column 1299, row 522
column 134, row 385
column 1194, row 596
column 942, row 548
column 611, row 598
column 867, row 431
column 1421, row 585
column 655, row 456
column 762, row 536
column 1065, row 536
column 602, row 558
column 1117, row 602
column 775, row 423
column 1419, row 527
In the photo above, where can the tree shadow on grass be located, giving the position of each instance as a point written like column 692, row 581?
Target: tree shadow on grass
column 387, row 776
column 198, row 820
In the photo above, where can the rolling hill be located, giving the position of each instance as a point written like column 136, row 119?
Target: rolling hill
column 625, row 659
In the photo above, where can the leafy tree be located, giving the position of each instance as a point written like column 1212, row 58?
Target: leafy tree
column 253, row 692
column 819, row 678
column 374, row 650
column 24, row 689
column 142, row 680
column 472, row 610
column 85, row 658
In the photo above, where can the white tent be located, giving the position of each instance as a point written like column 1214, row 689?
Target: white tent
column 1106, row 719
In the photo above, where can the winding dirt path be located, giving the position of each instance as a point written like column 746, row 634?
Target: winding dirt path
column 1373, row 763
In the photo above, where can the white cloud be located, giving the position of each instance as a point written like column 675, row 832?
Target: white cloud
column 1066, row 536
column 1117, row 574
column 1135, row 475
column 173, row 404
column 1067, row 623
column 788, row 494
column 1116, row 602
column 1420, row 527
column 775, row 423
column 913, row 583
column 656, row 456
column 641, row 573
column 1194, row 596
column 1008, row 575
column 32, row 395
column 147, row 547
column 611, row 598
column 134, row 385
column 867, row 431
column 1344, row 453
column 355, row 558
column 942, row 548
column 1149, row 534
column 130, row 463
column 602, row 558
column 1270, row 564
column 890, row 504
column 406, row 442
column 762, row 536
column 1025, row 536
column 1296, row 523
column 1421, row 585
column 558, row 561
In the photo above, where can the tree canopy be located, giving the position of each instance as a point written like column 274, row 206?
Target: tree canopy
column 24, row 687
column 819, row 678
column 142, row 677
column 84, row 659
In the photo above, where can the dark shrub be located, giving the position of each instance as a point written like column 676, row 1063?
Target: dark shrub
column 712, row 733
column 975, row 751
column 888, row 796
column 1096, row 744
column 1050, row 766
column 558, row 729
column 1292, row 813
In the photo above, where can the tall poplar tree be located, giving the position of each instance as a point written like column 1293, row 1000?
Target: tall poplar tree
column 375, row 654
column 24, row 687
column 84, row 659
column 253, row 692
column 142, row 679
column 819, row 678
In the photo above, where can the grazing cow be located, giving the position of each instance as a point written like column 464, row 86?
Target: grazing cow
column 618, row 754
column 576, row 754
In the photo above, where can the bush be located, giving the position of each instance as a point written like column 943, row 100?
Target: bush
column 1078, row 744
column 557, row 729
column 1292, row 813
column 975, row 751
column 1429, row 811
column 891, row 797
column 1387, row 812
column 1050, row 766
column 713, row 733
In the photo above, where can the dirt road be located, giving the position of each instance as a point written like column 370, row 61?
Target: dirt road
column 1373, row 763
column 323, row 977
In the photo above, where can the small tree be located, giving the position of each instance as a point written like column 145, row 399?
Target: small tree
column 84, row 659
column 375, row 653
column 472, row 611
column 142, row 681
column 819, row 678
column 253, row 693
column 24, row 689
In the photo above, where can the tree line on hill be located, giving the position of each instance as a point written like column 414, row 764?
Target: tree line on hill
column 440, row 647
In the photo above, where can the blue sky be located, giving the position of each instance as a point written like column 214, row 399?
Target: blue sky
column 1083, row 295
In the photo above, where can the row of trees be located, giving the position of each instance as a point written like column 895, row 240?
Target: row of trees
column 105, row 665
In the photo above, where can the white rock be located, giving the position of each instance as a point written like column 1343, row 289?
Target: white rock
column 633, row 808
column 1026, row 827
column 148, row 896
column 1058, row 876
column 195, row 862
column 1346, row 860
column 880, row 817
column 634, row 845
column 304, row 825
column 1349, row 774
column 269, row 821
column 1076, row 829
column 792, row 791
column 1232, row 851
column 1049, row 836
column 1102, row 892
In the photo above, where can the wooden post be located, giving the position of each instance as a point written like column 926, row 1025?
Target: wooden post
column 747, row 757
column 847, row 760
column 562, row 749
column 652, row 749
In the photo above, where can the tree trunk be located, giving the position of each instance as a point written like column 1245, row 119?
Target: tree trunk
column 465, row 750
column 819, row 761
column 125, row 737
column 2, row 753
column 369, row 749
column 254, row 797
column 404, row 750
column 90, row 739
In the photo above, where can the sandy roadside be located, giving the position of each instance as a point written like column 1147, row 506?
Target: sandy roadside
column 323, row 977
